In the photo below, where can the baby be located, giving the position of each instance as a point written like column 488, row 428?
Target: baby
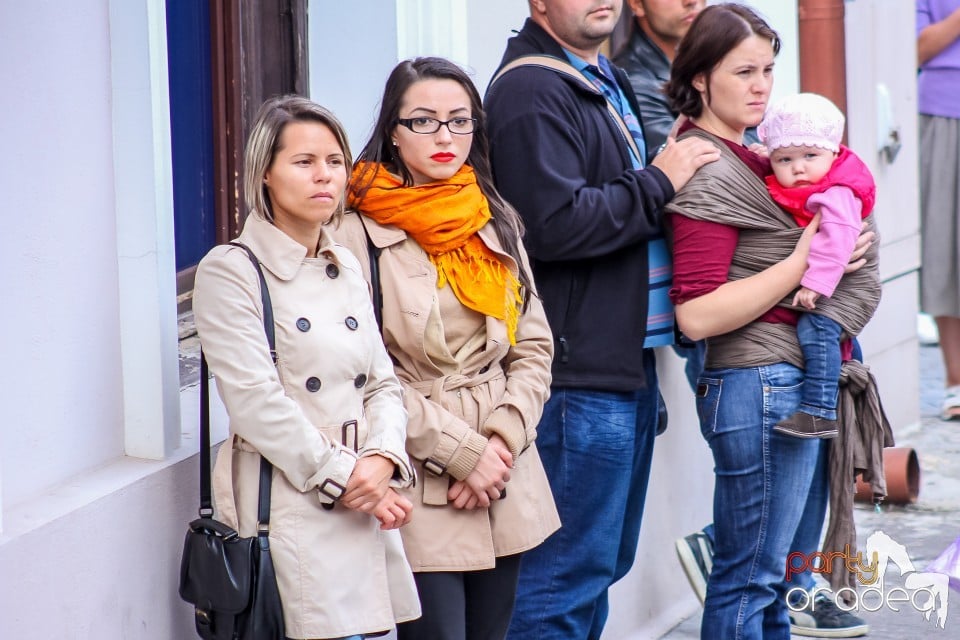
column 813, row 173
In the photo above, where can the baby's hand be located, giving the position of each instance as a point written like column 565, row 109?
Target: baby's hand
column 806, row 298
column 760, row 149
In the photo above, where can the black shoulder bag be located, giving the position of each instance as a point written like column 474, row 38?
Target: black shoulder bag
column 229, row 579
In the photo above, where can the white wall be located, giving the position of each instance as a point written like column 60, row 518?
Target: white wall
column 99, row 558
column 90, row 538
column 881, row 51
column 352, row 48
column 471, row 33
column 61, row 410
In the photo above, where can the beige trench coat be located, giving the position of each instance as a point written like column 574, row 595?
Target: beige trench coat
column 500, row 389
column 332, row 397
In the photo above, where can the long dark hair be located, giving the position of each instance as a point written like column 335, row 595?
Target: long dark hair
column 714, row 33
column 379, row 149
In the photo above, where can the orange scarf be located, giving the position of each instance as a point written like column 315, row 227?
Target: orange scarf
column 443, row 218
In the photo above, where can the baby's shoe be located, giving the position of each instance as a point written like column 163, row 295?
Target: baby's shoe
column 804, row 425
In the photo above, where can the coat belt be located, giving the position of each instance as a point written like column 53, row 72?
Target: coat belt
column 435, row 487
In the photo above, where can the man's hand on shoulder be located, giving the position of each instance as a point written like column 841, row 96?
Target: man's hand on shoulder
column 679, row 160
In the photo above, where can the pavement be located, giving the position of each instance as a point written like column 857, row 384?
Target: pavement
column 924, row 528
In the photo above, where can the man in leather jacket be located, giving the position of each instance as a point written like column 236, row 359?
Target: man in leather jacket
column 658, row 27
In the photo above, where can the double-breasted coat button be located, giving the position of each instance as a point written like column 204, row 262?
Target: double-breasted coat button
column 352, row 323
column 313, row 384
column 360, row 380
column 333, row 270
column 303, row 324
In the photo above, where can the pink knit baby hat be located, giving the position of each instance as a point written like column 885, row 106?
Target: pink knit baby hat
column 802, row 119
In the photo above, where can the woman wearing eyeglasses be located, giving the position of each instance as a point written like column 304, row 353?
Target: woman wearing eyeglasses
column 469, row 342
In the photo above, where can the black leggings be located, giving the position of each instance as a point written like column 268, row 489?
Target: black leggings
column 465, row 605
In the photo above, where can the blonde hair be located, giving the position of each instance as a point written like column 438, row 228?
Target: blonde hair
column 264, row 143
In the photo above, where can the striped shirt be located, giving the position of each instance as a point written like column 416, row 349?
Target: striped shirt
column 660, row 314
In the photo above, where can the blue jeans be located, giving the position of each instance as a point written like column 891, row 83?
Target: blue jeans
column 819, row 338
column 763, row 482
column 807, row 538
column 596, row 447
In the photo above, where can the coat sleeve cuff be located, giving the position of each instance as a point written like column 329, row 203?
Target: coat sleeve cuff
column 331, row 480
column 464, row 457
column 512, row 432
column 404, row 476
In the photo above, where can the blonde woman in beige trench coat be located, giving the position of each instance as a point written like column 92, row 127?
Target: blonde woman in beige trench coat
column 474, row 383
column 329, row 416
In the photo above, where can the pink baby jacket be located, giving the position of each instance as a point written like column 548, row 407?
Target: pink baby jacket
column 843, row 197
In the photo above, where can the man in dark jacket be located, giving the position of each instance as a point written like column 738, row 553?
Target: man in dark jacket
column 592, row 213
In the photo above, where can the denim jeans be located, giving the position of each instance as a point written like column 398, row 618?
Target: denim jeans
column 819, row 338
column 596, row 447
column 763, row 482
column 807, row 538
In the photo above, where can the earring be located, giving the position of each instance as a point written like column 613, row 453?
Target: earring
column 394, row 143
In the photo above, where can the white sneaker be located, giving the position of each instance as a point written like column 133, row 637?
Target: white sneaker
column 950, row 409
column 822, row 618
column 695, row 552
column 927, row 329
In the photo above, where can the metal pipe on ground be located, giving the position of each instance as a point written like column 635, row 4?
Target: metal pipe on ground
column 901, row 469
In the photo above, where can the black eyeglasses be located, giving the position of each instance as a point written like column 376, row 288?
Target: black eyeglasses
column 459, row 126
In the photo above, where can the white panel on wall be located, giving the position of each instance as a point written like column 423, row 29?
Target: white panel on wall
column 882, row 93
column 890, row 348
column 432, row 28
column 61, row 409
column 143, row 192
column 881, row 54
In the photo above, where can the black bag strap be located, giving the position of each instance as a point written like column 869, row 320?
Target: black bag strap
column 268, row 326
column 266, row 468
column 373, row 256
